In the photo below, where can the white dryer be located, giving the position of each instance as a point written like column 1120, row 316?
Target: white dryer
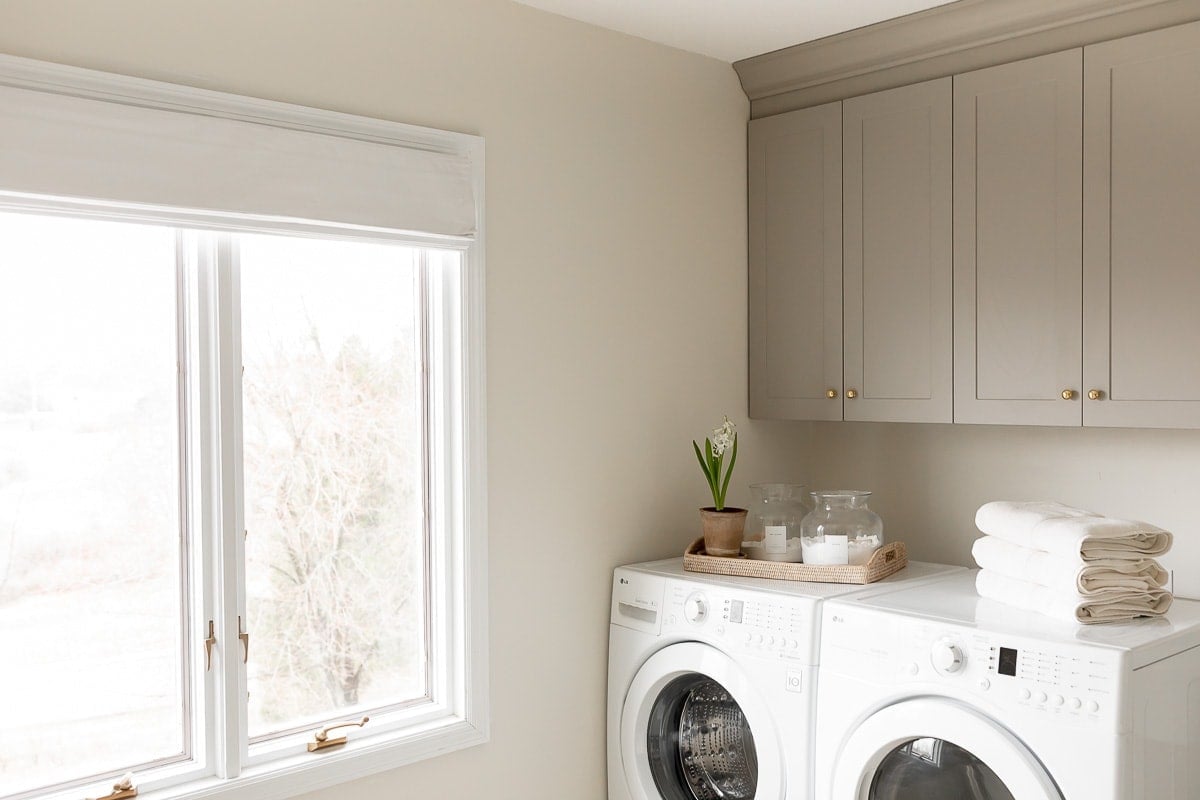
column 710, row 682
column 933, row 693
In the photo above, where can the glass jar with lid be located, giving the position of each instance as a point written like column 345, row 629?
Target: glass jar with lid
column 773, row 527
column 840, row 529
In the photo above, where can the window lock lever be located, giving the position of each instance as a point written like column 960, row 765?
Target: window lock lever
column 209, row 643
column 321, row 738
column 121, row 789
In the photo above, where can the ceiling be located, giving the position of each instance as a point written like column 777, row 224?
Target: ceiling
column 731, row 30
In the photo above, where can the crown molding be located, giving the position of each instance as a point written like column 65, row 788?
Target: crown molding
column 949, row 39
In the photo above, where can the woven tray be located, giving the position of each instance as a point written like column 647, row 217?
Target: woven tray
column 890, row 558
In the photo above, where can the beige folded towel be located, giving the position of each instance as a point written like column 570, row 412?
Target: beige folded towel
column 1067, row 574
column 1071, row 532
column 1110, row 605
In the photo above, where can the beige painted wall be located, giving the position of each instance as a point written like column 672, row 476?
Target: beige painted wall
column 929, row 479
column 616, row 299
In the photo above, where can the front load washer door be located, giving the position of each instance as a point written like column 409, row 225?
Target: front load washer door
column 694, row 727
column 931, row 749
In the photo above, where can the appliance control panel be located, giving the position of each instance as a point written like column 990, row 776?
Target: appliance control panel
column 1064, row 682
column 745, row 621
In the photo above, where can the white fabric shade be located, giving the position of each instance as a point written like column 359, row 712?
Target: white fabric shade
column 78, row 147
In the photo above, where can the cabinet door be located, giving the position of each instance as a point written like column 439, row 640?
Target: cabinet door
column 897, row 242
column 795, row 281
column 1141, row 241
column 1018, row 260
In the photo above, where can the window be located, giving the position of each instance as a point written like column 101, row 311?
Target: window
column 241, row 487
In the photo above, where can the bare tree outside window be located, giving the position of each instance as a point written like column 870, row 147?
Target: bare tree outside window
column 334, row 462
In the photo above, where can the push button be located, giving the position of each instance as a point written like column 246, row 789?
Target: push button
column 795, row 681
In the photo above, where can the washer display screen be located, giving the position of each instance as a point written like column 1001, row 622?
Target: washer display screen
column 1008, row 662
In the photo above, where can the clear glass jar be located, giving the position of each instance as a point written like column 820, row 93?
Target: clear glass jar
column 773, row 527
column 840, row 529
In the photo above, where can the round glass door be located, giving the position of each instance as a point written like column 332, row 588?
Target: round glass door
column 696, row 726
column 935, row 769
column 937, row 749
column 699, row 743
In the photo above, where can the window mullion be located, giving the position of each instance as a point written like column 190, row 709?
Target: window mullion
column 229, row 533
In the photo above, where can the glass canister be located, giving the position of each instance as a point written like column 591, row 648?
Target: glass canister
column 773, row 527
column 840, row 529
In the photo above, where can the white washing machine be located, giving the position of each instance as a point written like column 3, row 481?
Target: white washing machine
column 933, row 693
column 710, row 682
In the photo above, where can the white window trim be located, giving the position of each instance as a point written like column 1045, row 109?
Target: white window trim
column 460, row 568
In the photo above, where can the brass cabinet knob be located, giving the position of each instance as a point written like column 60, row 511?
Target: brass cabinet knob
column 1095, row 394
column 852, row 393
column 831, row 394
column 1068, row 394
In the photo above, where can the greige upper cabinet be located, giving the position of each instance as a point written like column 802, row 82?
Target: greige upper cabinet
column 1141, row 235
column 795, row 235
column 897, row 248
column 1018, row 263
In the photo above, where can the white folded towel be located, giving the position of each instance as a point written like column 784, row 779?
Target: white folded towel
column 1110, row 605
column 1067, row 574
column 1071, row 532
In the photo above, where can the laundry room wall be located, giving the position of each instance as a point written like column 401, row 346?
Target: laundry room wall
column 616, row 301
column 930, row 479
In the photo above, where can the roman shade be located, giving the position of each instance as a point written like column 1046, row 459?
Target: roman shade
column 162, row 145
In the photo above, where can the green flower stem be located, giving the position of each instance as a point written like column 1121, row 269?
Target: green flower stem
column 713, row 467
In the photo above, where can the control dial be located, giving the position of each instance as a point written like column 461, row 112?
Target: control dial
column 695, row 608
column 947, row 657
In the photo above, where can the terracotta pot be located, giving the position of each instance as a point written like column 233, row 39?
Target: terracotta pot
column 723, row 530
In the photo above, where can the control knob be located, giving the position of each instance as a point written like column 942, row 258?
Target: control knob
column 695, row 608
column 947, row 657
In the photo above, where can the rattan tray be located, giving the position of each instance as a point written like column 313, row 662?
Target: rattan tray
column 890, row 558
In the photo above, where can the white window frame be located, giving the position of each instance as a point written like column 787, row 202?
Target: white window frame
column 223, row 764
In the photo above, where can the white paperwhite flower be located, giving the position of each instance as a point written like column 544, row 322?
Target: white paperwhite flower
column 722, row 438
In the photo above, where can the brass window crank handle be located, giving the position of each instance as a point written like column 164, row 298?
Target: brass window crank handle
column 321, row 738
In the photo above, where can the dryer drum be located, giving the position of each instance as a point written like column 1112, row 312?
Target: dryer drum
column 934, row 769
column 699, row 743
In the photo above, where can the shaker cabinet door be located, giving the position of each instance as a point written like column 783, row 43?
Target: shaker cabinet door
column 795, row 260
column 1018, row 262
column 897, row 244
column 1141, row 242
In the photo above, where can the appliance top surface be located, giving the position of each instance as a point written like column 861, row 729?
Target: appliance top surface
column 954, row 600
column 916, row 570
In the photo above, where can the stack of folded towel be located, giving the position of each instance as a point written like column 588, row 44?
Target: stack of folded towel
column 1072, row 564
